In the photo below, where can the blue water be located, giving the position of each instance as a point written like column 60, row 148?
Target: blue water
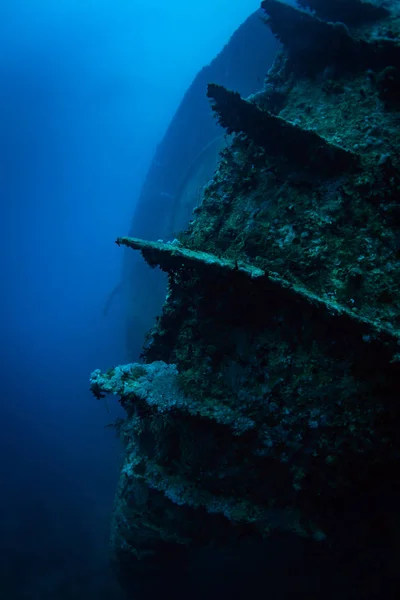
column 87, row 89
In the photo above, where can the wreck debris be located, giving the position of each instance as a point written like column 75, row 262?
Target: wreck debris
column 278, row 137
column 156, row 385
column 172, row 256
column 301, row 33
column 351, row 12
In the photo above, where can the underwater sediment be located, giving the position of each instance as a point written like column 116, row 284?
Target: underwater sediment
column 267, row 399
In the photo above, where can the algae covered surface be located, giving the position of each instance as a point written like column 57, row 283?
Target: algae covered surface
column 267, row 398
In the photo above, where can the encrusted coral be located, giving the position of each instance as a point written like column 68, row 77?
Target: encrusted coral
column 267, row 399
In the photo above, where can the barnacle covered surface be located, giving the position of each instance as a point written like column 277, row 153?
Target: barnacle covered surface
column 267, row 400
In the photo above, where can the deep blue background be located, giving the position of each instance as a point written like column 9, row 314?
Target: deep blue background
column 87, row 89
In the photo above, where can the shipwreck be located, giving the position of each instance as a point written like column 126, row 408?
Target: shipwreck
column 264, row 411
